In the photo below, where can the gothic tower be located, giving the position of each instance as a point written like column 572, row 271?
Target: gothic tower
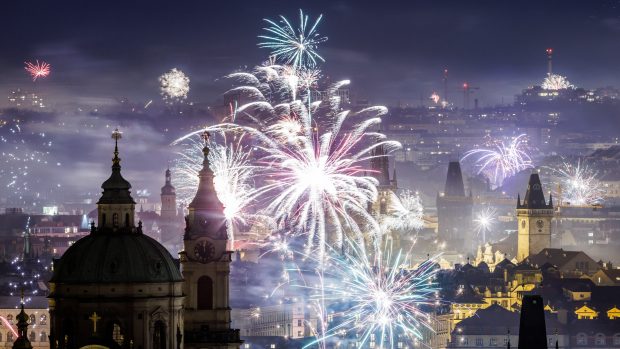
column 205, row 265
column 534, row 218
column 168, row 199
column 454, row 210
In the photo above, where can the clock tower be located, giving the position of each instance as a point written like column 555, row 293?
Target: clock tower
column 205, row 265
column 534, row 218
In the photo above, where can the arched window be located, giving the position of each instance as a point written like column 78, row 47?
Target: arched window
column 599, row 339
column 103, row 220
column 205, row 293
column 127, row 220
column 159, row 335
column 117, row 335
column 43, row 319
column 9, row 337
column 43, row 337
column 115, row 220
column 616, row 339
column 582, row 339
column 0, row 336
column 9, row 318
column 33, row 319
column 33, row 336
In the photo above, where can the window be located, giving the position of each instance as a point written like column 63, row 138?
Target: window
column 299, row 334
column 599, row 339
column 582, row 339
column 493, row 342
column 479, row 342
column 9, row 336
column 205, row 292
column 9, row 318
column 127, row 219
column 43, row 337
column 616, row 339
column 33, row 319
column 43, row 319
column 115, row 220
column 299, row 323
column 33, row 336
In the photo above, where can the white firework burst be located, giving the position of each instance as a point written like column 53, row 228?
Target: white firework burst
column 174, row 86
column 556, row 82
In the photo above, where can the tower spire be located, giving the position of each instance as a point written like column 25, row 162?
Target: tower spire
column 206, row 197
column 22, row 341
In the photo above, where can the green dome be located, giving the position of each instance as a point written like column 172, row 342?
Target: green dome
column 116, row 258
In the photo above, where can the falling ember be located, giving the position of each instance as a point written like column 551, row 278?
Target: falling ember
column 38, row 69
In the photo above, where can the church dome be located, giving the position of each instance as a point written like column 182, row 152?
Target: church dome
column 116, row 258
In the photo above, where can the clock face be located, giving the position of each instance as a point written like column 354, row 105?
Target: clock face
column 204, row 251
column 540, row 223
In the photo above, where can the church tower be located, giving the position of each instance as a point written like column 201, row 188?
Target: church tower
column 205, row 265
column 168, row 199
column 534, row 218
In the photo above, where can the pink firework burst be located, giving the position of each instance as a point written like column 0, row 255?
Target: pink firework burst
column 38, row 70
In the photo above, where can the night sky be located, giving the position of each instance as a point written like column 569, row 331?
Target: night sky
column 393, row 51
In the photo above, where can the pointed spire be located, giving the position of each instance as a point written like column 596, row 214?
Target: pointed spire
column 206, row 197
column 551, row 200
column 116, row 135
column 518, row 200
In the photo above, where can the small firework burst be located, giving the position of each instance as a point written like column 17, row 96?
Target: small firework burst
column 38, row 69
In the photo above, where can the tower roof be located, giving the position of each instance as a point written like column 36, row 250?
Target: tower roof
column 168, row 188
column 454, row 180
column 206, row 197
column 116, row 188
column 534, row 196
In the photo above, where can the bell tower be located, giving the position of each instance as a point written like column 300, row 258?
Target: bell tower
column 534, row 217
column 168, row 199
column 205, row 265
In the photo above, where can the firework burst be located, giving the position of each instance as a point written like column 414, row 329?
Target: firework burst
column 313, row 155
column 377, row 303
column 579, row 184
column 38, row 70
column 556, row 82
column 294, row 46
column 502, row 161
column 174, row 86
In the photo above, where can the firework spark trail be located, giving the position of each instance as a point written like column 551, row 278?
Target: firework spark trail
column 503, row 161
column 233, row 180
column 579, row 184
column 484, row 221
column 367, row 301
column 294, row 46
column 38, row 70
column 556, row 82
column 406, row 212
column 174, row 86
